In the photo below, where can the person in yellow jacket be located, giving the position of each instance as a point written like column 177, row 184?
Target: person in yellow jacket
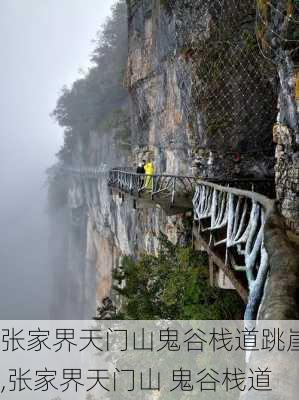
column 149, row 171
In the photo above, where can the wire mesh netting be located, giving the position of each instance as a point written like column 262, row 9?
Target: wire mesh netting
column 277, row 29
column 235, row 86
column 227, row 88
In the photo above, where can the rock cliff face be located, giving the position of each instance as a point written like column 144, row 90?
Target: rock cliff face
column 201, row 101
column 279, row 37
column 286, row 137
column 186, row 122
column 113, row 228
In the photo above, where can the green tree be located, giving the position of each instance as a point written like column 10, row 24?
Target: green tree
column 173, row 285
column 93, row 99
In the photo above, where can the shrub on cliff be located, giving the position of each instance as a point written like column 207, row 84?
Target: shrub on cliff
column 173, row 285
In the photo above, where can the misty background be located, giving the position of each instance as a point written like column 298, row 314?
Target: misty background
column 43, row 44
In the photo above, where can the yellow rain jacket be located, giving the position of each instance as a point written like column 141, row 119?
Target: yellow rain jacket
column 149, row 170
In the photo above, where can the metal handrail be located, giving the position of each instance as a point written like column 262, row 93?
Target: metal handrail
column 162, row 185
column 90, row 172
column 130, row 171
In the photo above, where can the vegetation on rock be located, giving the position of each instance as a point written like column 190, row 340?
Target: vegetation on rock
column 173, row 285
column 94, row 98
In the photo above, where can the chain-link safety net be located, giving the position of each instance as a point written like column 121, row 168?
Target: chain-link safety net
column 277, row 29
column 227, row 87
column 235, row 85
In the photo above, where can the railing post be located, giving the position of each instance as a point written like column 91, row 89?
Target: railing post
column 173, row 191
column 153, row 185
column 131, row 183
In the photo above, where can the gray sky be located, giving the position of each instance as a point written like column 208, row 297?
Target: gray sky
column 43, row 43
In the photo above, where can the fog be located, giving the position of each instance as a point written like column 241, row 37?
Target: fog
column 43, row 44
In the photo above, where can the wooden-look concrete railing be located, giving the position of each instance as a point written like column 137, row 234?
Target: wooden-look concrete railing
column 230, row 223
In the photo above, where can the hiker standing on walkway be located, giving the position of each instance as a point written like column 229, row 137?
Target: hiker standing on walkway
column 150, row 171
column 140, row 170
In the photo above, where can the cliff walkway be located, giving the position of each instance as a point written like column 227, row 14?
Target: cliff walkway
column 241, row 230
column 229, row 224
